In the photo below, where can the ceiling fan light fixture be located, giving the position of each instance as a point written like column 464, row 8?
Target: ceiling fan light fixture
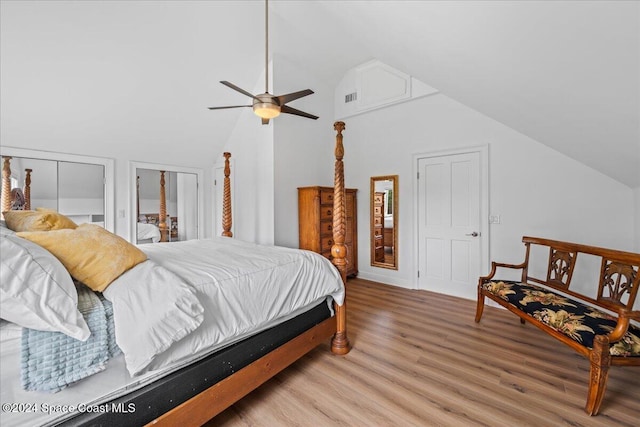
column 265, row 105
column 266, row 110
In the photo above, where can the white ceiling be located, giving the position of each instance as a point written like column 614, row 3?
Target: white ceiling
column 566, row 74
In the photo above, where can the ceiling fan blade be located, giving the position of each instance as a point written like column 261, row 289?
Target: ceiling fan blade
column 230, row 106
column 289, row 110
column 283, row 99
column 236, row 88
column 265, row 121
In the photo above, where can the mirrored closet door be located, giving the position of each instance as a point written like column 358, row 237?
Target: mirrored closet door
column 167, row 203
column 72, row 185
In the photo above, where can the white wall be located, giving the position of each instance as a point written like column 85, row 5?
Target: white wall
column 536, row 190
column 303, row 147
column 270, row 162
column 251, row 148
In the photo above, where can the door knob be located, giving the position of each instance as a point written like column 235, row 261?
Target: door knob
column 474, row 234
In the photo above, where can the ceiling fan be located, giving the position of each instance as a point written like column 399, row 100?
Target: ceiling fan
column 265, row 105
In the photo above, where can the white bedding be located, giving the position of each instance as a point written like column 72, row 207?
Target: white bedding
column 148, row 231
column 243, row 287
column 274, row 285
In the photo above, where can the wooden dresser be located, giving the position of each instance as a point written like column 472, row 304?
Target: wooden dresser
column 315, row 221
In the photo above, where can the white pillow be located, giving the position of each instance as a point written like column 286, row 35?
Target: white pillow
column 4, row 230
column 36, row 291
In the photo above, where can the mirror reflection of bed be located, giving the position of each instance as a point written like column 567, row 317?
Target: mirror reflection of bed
column 74, row 189
column 166, row 206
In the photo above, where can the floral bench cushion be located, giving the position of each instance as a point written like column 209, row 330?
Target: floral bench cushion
column 576, row 320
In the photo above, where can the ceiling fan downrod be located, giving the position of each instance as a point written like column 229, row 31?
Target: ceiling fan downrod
column 266, row 46
column 265, row 105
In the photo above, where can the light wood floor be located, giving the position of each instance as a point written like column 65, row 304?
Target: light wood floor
column 418, row 359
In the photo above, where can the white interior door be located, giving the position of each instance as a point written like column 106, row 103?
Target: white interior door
column 449, row 247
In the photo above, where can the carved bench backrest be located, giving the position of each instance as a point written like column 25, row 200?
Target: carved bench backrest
column 560, row 269
column 619, row 283
column 619, row 273
column 561, row 262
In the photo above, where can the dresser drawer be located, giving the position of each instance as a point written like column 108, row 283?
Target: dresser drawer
column 326, row 243
column 326, row 197
column 379, row 254
column 326, row 227
column 377, row 198
column 326, row 212
column 377, row 210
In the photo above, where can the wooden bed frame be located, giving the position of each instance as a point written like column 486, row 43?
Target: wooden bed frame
column 6, row 195
column 209, row 403
column 206, row 405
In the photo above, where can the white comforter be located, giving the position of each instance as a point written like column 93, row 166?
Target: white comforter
column 216, row 292
column 148, row 231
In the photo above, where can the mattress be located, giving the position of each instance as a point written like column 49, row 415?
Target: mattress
column 157, row 391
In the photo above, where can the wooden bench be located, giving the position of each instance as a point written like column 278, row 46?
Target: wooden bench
column 604, row 329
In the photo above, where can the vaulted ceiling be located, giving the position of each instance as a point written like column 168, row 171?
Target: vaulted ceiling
column 566, row 74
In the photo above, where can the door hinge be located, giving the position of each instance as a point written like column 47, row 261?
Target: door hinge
column 417, row 175
column 418, row 274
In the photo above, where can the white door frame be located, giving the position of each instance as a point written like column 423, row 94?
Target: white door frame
column 483, row 151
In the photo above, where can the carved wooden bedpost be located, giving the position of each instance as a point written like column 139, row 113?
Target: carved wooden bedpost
column 226, row 198
column 340, row 342
column 27, row 189
column 6, row 185
column 162, row 216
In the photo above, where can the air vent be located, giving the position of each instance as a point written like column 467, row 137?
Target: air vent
column 350, row 97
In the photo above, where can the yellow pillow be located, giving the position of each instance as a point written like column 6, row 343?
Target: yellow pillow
column 90, row 253
column 38, row 220
column 56, row 219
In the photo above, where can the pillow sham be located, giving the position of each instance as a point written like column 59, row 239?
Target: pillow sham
column 36, row 291
column 38, row 220
column 93, row 255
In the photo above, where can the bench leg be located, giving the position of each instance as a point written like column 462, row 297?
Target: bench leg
column 600, row 359
column 479, row 306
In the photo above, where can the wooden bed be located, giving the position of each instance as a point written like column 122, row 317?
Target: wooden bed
column 206, row 405
column 221, row 394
